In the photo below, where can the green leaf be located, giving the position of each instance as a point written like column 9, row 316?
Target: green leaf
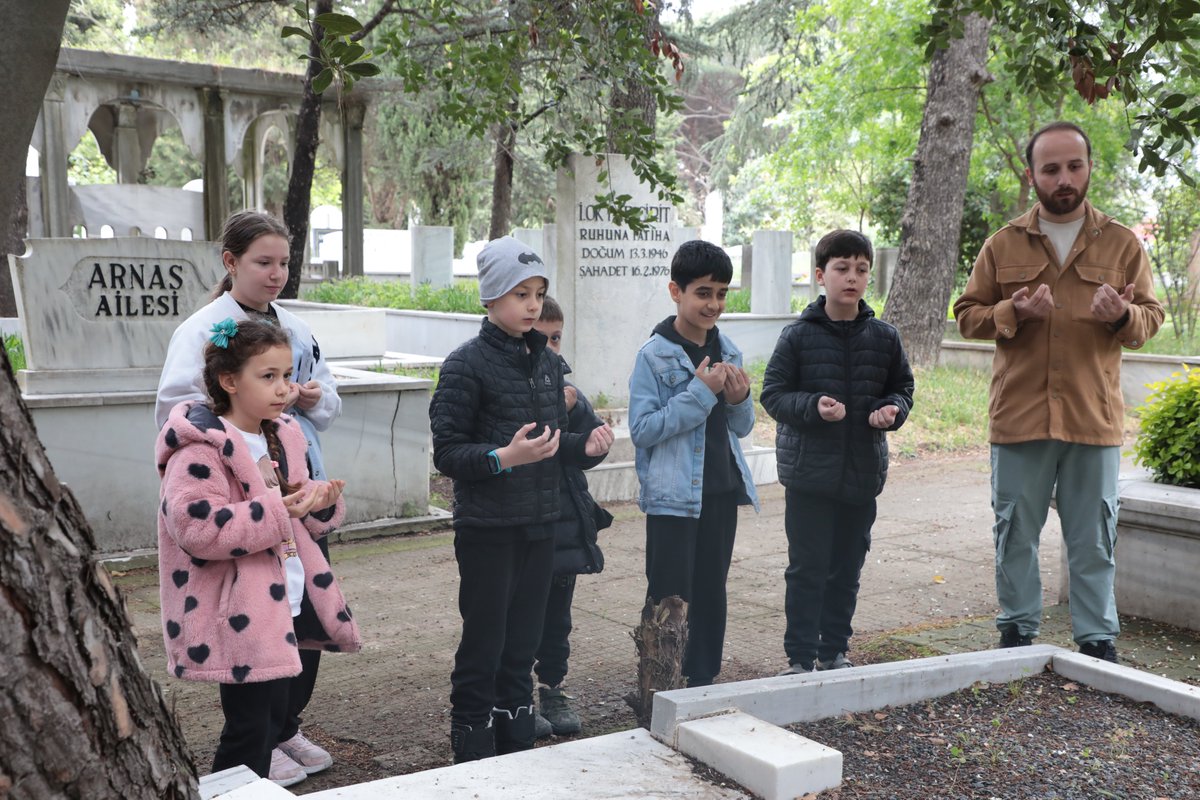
column 1173, row 100
column 352, row 52
column 338, row 24
column 292, row 30
column 322, row 81
column 364, row 70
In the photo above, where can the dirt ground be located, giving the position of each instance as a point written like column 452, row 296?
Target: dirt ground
column 385, row 710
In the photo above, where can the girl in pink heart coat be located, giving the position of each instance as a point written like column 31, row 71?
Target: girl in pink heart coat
column 243, row 583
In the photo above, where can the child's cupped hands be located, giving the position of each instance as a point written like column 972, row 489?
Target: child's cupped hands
column 525, row 450
column 599, row 441
column 313, row 495
column 883, row 418
column 831, row 410
column 737, row 384
column 711, row 375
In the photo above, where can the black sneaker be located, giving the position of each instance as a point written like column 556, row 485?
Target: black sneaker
column 556, row 708
column 1011, row 637
column 1104, row 650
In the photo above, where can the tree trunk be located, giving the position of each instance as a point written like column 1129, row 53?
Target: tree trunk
column 660, row 640
column 298, row 205
column 78, row 715
column 502, row 178
column 929, row 228
column 13, row 243
column 632, row 100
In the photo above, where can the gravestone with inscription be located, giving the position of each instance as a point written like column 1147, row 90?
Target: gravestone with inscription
column 610, row 280
column 97, row 314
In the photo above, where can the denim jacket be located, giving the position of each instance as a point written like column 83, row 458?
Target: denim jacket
column 667, row 414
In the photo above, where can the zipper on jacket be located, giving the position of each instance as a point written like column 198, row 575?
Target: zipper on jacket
column 537, row 416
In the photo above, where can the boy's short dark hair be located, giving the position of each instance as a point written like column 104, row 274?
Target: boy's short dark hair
column 842, row 244
column 697, row 259
column 551, row 310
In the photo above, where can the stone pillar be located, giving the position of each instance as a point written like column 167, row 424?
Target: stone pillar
column 610, row 281
column 52, row 163
column 432, row 259
column 216, row 201
column 885, row 267
column 252, row 168
column 126, row 150
column 353, row 192
column 534, row 238
column 771, row 292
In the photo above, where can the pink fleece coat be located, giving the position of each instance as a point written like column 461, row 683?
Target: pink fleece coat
column 222, row 585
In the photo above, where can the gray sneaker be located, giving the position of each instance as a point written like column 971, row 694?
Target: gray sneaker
column 795, row 669
column 837, row 662
column 554, row 705
column 541, row 727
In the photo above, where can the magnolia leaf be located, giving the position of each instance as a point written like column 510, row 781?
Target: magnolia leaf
column 338, row 24
column 322, row 81
column 292, row 30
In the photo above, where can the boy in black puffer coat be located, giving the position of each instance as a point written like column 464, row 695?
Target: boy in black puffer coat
column 499, row 425
column 576, row 552
column 838, row 379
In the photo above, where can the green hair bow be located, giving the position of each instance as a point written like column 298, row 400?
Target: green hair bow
column 222, row 332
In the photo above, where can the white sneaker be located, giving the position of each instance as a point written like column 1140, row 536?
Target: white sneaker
column 284, row 771
column 308, row 756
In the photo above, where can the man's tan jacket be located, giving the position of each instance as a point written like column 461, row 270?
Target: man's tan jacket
column 1059, row 377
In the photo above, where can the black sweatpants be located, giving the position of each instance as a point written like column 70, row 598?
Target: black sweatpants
column 502, row 599
column 827, row 545
column 690, row 558
column 555, row 649
column 254, row 716
column 301, row 689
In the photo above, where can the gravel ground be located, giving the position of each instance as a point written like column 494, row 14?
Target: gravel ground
column 1041, row 738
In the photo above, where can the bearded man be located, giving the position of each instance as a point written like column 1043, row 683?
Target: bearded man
column 1060, row 290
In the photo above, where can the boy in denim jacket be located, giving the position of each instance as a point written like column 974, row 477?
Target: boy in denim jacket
column 689, row 403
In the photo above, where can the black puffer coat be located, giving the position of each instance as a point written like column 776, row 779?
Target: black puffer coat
column 860, row 363
column 489, row 387
column 576, row 543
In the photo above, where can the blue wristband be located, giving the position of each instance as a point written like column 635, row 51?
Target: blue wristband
column 495, row 462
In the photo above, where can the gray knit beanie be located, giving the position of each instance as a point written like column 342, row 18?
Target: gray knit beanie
column 504, row 263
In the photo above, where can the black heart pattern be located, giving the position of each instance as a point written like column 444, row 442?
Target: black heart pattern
column 239, row 622
column 323, row 580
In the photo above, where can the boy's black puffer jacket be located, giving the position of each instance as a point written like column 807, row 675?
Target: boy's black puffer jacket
column 576, row 541
column 489, row 387
column 860, row 363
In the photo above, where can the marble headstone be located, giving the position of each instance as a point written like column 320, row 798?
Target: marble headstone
column 97, row 314
column 610, row 280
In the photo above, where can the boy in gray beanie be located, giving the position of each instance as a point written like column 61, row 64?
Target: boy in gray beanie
column 504, row 263
column 495, row 392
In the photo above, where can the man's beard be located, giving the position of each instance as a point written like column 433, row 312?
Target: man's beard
column 1061, row 204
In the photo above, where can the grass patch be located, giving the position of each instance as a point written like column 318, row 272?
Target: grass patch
column 15, row 349
column 461, row 298
column 429, row 373
column 949, row 411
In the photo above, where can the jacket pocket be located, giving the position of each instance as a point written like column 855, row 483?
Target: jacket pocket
column 1093, row 276
column 1012, row 277
column 672, row 379
column 227, row 583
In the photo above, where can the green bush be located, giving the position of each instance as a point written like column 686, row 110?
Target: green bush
column 16, row 352
column 1169, row 442
column 462, row 297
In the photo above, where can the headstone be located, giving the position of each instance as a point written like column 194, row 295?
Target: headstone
column 713, row 229
column 771, row 287
column 610, row 281
column 885, row 268
column 432, row 255
column 97, row 314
